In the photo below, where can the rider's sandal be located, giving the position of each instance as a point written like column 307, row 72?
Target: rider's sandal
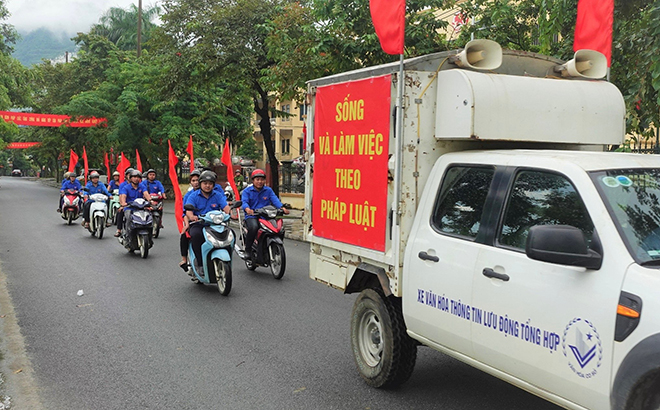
column 117, row 234
column 184, row 266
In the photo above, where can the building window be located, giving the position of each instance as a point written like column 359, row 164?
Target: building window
column 301, row 146
column 287, row 109
column 303, row 111
column 286, row 147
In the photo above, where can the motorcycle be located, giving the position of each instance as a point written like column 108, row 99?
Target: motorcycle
column 97, row 214
column 229, row 192
column 216, row 251
column 268, row 246
column 138, row 229
column 113, row 208
column 157, row 213
column 71, row 205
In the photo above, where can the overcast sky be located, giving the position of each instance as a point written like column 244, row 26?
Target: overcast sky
column 68, row 16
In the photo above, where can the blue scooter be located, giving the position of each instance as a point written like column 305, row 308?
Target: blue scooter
column 216, row 250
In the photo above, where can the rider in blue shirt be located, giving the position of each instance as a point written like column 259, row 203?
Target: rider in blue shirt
column 254, row 197
column 204, row 200
column 114, row 182
column 184, row 241
column 71, row 183
column 152, row 185
column 127, row 178
column 127, row 194
column 92, row 187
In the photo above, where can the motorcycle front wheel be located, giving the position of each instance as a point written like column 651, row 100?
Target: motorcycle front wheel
column 223, row 276
column 100, row 225
column 277, row 260
column 156, row 227
column 69, row 218
column 143, row 244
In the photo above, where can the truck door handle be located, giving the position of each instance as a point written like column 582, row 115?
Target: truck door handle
column 425, row 256
column 489, row 273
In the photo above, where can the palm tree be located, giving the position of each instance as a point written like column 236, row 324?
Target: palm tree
column 120, row 25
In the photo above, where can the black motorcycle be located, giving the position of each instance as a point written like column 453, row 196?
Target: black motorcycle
column 138, row 227
column 268, row 246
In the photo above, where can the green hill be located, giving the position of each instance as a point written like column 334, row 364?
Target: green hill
column 39, row 44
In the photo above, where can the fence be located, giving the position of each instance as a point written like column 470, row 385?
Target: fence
column 293, row 177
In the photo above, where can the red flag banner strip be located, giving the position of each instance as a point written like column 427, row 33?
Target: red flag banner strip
column 226, row 159
column 178, row 199
column 389, row 19
column 49, row 120
column 593, row 28
column 21, row 145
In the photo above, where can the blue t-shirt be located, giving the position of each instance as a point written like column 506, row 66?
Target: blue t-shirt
column 98, row 189
column 131, row 193
column 71, row 185
column 185, row 198
column 154, row 187
column 113, row 185
column 255, row 199
column 215, row 202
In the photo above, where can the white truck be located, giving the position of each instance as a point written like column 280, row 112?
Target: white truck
column 489, row 223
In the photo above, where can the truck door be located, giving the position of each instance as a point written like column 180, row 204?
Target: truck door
column 440, row 256
column 547, row 324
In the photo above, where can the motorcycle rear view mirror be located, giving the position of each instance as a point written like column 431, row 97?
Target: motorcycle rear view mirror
column 189, row 207
column 237, row 204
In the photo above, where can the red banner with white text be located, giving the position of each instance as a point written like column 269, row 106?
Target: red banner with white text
column 49, row 120
column 351, row 136
column 21, row 145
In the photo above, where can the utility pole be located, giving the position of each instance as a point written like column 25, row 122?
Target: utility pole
column 139, row 29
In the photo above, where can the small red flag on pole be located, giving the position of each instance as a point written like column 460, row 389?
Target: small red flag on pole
column 389, row 18
column 122, row 166
column 226, row 159
column 593, row 28
column 189, row 150
column 178, row 199
column 85, row 163
column 138, row 162
column 107, row 165
column 73, row 160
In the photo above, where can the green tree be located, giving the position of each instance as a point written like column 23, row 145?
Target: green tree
column 120, row 25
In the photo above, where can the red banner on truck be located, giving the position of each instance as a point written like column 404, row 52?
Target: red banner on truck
column 351, row 136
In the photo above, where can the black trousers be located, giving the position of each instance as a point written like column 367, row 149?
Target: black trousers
column 197, row 239
column 183, row 244
column 86, row 207
column 252, row 225
column 120, row 220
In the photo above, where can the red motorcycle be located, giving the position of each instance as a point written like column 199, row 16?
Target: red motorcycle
column 71, row 206
column 268, row 247
column 157, row 213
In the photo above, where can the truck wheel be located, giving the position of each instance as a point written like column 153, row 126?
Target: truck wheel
column 646, row 396
column 384, row 353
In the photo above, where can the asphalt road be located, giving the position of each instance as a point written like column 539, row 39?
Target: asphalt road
column 143, row 336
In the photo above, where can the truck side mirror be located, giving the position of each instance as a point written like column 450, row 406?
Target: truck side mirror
column 563, row 245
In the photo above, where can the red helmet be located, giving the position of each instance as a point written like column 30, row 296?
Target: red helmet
column 258, row 173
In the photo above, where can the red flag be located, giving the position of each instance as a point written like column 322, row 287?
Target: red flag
column 226, row 159
column 138, row 163
column 73, row 160
column 85, row 163
column 107, row 165
column 593, row 28
column 122, row 166
column 389, row 18
column 178, row 200
column 304, row 138
column 189, row 150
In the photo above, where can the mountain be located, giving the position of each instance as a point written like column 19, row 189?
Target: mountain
column 42, row 43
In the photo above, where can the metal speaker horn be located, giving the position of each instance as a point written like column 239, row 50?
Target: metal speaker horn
column 479, row 55
column 585, row 64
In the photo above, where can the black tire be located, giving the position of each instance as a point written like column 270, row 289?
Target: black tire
column 100, row 226
column 69, row 218
column 143, row 243
column 222, row 271
column 156, row 227
column 646, row 394
column 250, row 265
column 277, row 260
column 384, row 353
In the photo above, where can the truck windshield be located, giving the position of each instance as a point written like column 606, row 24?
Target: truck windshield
column 633, row 199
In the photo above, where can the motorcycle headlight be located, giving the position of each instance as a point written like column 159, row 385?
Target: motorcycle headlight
column 272, row 213
column 220, row 239
column 218, row 219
